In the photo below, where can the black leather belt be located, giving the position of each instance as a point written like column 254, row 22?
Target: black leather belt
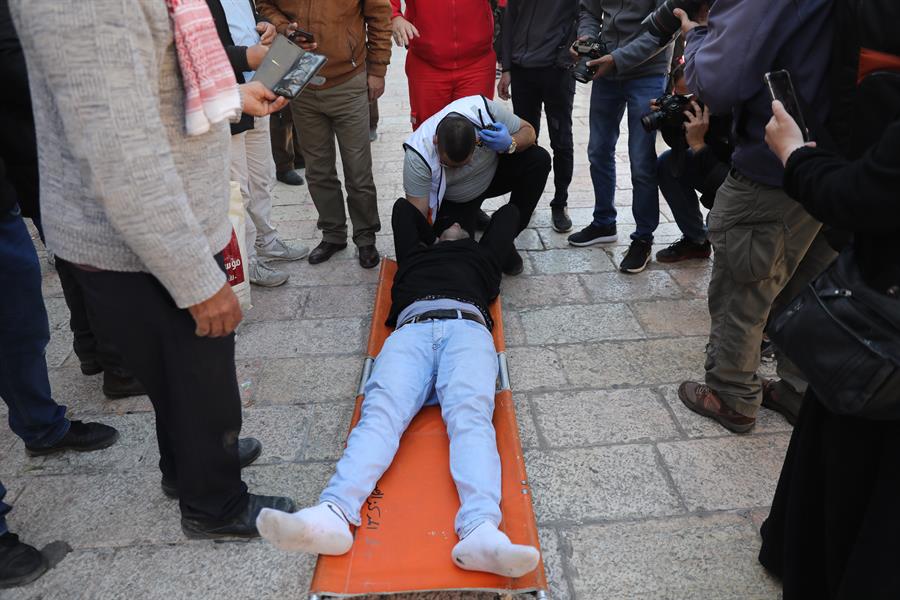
column 443, row 314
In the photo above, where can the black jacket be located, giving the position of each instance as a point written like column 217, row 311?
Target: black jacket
column 18, row 146
column 237, row 55
column 538, row 33
column 862, row 196
column 463, row 270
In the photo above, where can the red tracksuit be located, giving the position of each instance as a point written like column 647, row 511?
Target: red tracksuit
column 453, row 57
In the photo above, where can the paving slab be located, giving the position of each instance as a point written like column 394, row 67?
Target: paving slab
column 726, row 473
column 535, row 368
column 543, row 290
column 579, row 323
column 608, row 287
column 690, row 557
column 672, row 317
column 277, row 339
column 309, row 379
column 590, row 418
column 613, row 482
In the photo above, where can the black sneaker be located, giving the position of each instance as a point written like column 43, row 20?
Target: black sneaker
column 249, row 450
column 637, row 257
column 90, row 365
column 292, row 177
column 482, row 220
column 684, row 249
column 241, row 526
column 81, row 437
column 20, row 563
column 514, row 263
column 117, row 386
column 592, row 234
column 561, row 221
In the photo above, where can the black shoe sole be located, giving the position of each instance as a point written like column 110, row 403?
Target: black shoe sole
column 195, row 533
column 790, row 417
column 54, row 449
column 635, row 270
column 28, row 577
column 122, row 395
column 562, row 230
column 714, row 416
column 370, row 266
column 606, row 239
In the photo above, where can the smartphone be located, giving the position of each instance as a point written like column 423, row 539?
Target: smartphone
column 304, row 36
column 781, row 88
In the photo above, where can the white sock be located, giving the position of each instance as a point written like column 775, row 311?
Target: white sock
column 487, row 548
column 319, row 529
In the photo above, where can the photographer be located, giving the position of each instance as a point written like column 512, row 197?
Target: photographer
column 699, row 162
column 760, row 236
column 631, row 75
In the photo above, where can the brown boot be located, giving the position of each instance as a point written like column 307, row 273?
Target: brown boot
column 780, row 397
column 703, row 401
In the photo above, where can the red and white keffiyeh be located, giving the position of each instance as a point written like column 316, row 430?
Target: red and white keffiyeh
column 209, row 83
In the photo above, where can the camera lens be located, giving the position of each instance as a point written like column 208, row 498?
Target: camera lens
column 663, row 24
column 652, row 121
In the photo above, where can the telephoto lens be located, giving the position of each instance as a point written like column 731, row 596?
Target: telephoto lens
column 663, row 24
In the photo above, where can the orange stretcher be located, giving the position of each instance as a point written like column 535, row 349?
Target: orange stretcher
column 406, row 536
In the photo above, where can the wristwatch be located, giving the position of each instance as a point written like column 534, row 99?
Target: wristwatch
column 512, row 148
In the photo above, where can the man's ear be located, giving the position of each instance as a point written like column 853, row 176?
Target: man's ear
column 434, row 139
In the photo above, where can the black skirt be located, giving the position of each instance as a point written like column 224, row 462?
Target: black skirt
column 834, row 528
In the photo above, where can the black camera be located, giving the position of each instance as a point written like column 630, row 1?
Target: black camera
column 587, row 50
column 663, row 24
column 669, row 113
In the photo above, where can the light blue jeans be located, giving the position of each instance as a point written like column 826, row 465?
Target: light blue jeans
column 448, row 362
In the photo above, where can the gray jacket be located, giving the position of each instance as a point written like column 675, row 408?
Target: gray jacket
column 123, row 187
column 538, row 33
column 636, row 52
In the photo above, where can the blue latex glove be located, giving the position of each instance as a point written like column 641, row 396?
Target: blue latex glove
column 499, row 141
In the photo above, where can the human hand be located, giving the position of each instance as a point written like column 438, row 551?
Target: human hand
column 686, row 23
column 300, row 41
column 259, row 101
column 218, row 315
column 266, row 33
column 603, row 65
column 376, row 87
column 696, row 126
column 498, row 140
column 503, row 85
column 256, row 55
column 783, row 135
column 403, row 31
column 572, row 52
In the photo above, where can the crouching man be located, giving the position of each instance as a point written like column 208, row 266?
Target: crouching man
column 472, row 150
column 441, row 352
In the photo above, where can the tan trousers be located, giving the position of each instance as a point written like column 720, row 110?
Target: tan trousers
column 340, row 112
column 253, row 168
column 760, row 237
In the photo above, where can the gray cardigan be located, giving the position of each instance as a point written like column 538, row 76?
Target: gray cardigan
column 123, row 188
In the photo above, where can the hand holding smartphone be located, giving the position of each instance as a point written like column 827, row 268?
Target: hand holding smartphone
column 781, row 88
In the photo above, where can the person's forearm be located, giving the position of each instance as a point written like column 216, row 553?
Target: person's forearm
column 506, row 34
column 377, row 15
column 589, row 22
column 525, row 137
column 396, row 10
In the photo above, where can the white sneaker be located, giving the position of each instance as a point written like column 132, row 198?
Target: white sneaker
column 280, row 250
column 263, row 275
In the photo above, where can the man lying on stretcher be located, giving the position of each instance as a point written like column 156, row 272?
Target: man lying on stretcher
column 442, row 353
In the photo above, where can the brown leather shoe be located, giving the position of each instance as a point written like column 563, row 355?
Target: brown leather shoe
column 703, row 401
column 368, row 256
column 324, row 251
column 778, row 396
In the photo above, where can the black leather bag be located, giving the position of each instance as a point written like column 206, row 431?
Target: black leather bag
column 845, row 338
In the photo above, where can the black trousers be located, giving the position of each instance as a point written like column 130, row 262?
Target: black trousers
column 286, row 150
column 86, row 343
column 191, row 382
column 553, row 87
column 523, row 175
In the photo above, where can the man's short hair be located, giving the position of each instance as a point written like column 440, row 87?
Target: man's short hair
column 456, row 137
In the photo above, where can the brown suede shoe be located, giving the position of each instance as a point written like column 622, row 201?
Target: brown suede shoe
column 703, row 401
column 778, row 396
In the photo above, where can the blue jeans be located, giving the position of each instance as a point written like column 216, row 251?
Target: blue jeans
column 681, row 194
column 449, row 362
column 4, row 510
column 609, row 98
column 24, row 334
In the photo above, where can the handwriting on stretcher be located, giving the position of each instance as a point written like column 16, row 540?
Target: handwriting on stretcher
column 373, row 509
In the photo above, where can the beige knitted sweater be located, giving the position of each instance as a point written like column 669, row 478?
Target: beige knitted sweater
column 123, row 188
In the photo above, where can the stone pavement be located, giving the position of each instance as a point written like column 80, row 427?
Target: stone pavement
column 635, row 496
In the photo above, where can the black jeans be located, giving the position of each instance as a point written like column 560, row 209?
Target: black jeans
column 191, row 382
column 523, row 175
column 555, row 89
column 85, row 342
